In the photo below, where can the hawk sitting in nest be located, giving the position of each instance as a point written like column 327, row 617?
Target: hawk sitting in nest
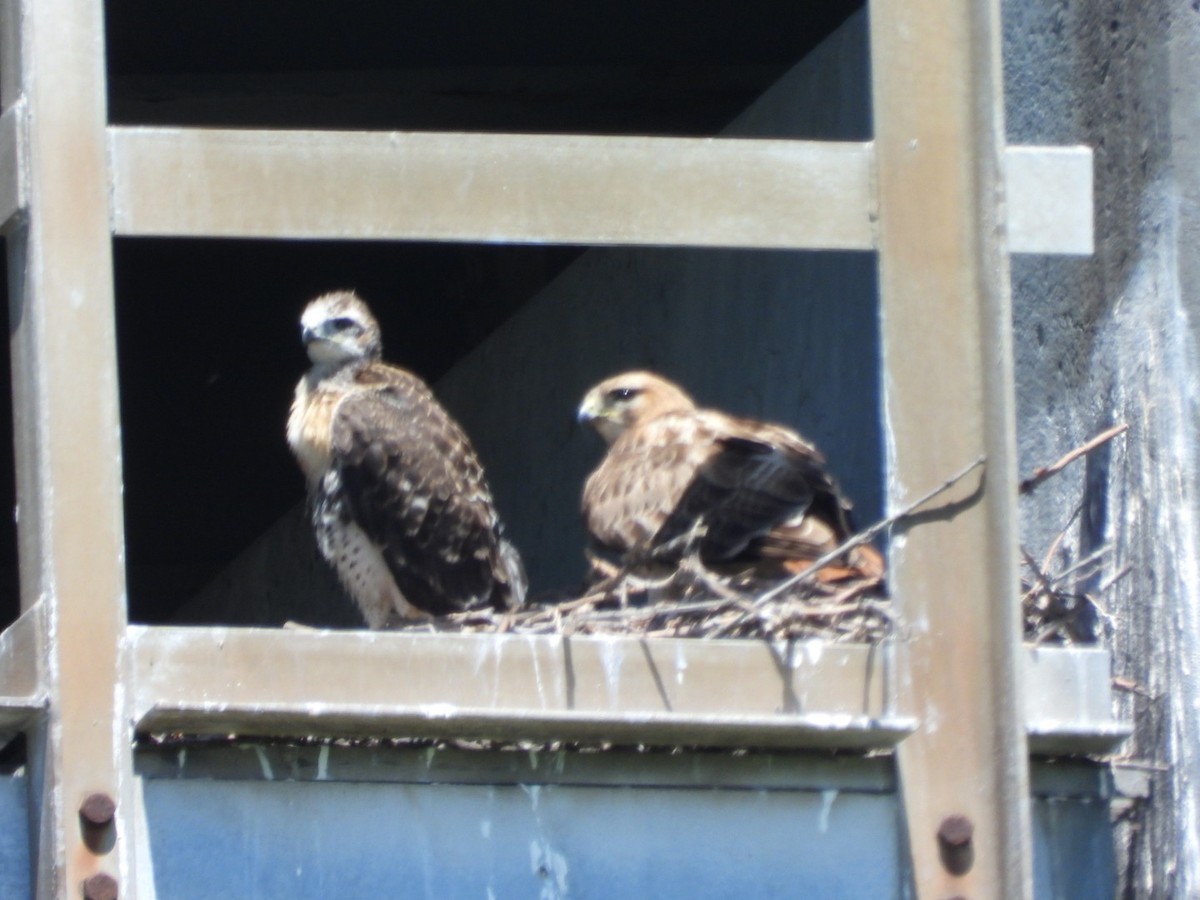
column 400, row 506
column 751, row 499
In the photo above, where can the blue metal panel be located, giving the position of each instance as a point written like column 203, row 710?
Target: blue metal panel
column 14, row 839
column 326, row 839
column 1073, row 849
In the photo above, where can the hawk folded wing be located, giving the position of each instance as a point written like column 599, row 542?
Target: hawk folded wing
column 737, row 491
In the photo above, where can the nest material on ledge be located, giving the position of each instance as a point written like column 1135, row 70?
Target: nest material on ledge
column 692, row 602
column 696, row 602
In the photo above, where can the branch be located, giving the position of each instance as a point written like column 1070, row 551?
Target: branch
column 1041, row 474
column 863, row 537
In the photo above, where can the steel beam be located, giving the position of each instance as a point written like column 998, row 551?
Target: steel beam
column 12, row 171
column 490, row 187
column 22, row 675
column 947, row 334
column 541, row 188
column 735, row 693
column 668, row 691
column 70, row 534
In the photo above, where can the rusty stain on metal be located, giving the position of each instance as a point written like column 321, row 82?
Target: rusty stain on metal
column 100, row 886
column 954, row 844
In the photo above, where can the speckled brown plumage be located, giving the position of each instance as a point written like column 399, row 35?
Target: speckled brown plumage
column 740, row 492
column 401, row 508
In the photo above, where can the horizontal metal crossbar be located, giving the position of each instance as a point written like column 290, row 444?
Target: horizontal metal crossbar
column 620, row 689
column 567, row 189
column 727, row 693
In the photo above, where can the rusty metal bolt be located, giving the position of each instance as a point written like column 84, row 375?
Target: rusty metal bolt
column 98, row 810
column 954, row 844
column 100, row 886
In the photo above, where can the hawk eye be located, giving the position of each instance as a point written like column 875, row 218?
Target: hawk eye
column 344, row 323
column 622, row 394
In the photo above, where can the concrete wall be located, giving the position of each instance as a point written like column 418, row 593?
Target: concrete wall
column 787, row 336
column 1113, row 339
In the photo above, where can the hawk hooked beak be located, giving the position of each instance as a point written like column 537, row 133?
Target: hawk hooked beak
column 587, row 412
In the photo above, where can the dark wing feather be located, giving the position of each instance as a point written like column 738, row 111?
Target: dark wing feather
column 413, row 484
column 754, row 477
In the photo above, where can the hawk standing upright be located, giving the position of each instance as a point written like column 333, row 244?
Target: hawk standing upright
column 748, row 496
column 399, row 502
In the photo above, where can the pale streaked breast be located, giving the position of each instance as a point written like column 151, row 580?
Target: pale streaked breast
column 309, row 428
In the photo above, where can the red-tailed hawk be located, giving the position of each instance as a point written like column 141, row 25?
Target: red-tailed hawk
column 748, row 496
column 399, row 502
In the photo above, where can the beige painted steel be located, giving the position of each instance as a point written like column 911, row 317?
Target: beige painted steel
column 490, row 187
column 947, row 332
column 12, row 172
column 727, row 693
column 67, row 443
column 22, row 653
column 1069, row 701
column 673, row 691
column 552, row 188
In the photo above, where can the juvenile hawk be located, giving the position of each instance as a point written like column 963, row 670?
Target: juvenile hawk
column 399, row 502
column 749, row 496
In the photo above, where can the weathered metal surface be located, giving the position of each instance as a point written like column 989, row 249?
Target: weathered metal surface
column 320, row 839
column 22, row 656
column 252, row 760
column 14, row 838
column 1069, row 701
column 725, row 693
column 490, row 187
column 554, row 188
column 12, row 171
column 293, row 820
column 939, row 137
column 67, row 441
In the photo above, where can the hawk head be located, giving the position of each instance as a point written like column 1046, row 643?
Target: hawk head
column 338, row 328
column 624, row 400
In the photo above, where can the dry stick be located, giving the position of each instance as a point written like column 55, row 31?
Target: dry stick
column 1041, row 581
column 1039, row 475
column 1062, row 534
column 863, row 536
column 1093, row 557
column 1113, row 579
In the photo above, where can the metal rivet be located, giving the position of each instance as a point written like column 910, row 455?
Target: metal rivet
column 98, row 809
column 100, row 886
column 954, row 843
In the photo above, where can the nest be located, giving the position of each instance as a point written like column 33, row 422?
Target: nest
column 1058, row 608
column 696, row 603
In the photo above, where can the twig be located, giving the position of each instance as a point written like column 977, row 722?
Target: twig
column 1088, row 560
column 1041, row 474
column 1114, row 578
column 1057, row 542
column 863, row 536
column 1041, row 580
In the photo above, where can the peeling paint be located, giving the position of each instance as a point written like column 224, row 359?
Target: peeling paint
column 828, row 797
column 264, row 763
